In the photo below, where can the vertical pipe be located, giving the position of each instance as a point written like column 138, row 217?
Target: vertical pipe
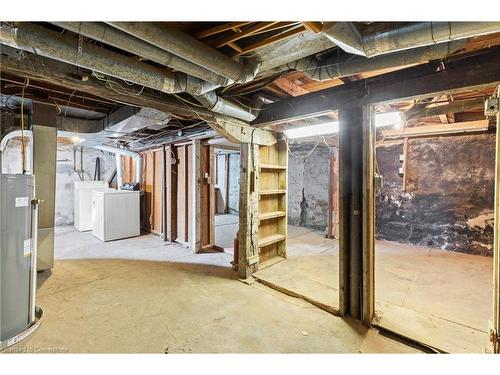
column 138, row 169
column 34, row 244
column 119, row 171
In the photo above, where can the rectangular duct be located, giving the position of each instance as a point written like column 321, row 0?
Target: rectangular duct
column 44, row 168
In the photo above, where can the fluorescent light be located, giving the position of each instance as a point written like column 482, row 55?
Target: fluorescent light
column 394, row 119
column 313, row 130
column 77, row 140
column 382, row 120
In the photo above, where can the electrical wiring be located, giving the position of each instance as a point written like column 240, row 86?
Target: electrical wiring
column 302, row 156
column 109, row 84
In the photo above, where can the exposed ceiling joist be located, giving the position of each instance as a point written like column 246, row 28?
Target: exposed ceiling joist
column 436, row 129
column 243, row 34
column 220, row 29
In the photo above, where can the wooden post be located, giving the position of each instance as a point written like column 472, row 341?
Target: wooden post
column 195, row 187
column 227, row 182
column 248, row 254
column 211, row 182
column 495, row 334
column 351, row 215
column 171, row 204
column 368, row 202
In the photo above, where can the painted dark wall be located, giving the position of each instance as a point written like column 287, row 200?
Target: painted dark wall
column 448, row 203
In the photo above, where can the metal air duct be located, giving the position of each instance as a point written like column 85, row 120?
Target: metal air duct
column 349, row 37
column 41, row 41
column 189, row 48
column 116, row 38
column 321, row 69
column 119, row 152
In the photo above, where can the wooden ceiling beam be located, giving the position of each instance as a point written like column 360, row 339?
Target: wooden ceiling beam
column 315, row 27
column 289, row 87
column 243, row 34
column 475, row 71
column 220, row 29
column 271, row 40
column 453, row 107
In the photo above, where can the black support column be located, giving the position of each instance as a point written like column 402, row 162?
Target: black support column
column 351, row 210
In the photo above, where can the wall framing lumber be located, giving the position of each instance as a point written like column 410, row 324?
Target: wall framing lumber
column 248, row 240
column 171, row 206
column 495, row 334
column 368, row 213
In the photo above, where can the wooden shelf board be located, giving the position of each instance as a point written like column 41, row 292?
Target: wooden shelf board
column 273, row 166
column 269, row 240
column 271, row 215
column 271, row 192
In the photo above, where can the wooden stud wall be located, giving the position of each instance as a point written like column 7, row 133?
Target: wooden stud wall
column 152, row 202
column 190, row 184
column 206, row 195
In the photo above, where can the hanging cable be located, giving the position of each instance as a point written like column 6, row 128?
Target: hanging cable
column 23, row 147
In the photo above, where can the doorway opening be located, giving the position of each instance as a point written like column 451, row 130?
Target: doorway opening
column 434, row 221
column 227, row 189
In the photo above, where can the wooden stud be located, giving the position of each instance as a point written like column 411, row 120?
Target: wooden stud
column 172, row 162
column 248, row 240
column 368, row 213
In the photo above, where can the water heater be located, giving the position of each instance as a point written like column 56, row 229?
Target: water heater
column 18, row 229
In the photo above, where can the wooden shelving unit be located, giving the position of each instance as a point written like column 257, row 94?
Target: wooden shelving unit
column 273, row 164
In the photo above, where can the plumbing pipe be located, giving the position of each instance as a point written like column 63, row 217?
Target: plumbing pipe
column 351, row 39
column 119, row 152
column 18, row 134
column 119, row 171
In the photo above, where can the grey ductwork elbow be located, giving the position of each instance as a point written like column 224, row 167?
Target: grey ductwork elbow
column 328, row 68
column 224, row 107
column 347, row 36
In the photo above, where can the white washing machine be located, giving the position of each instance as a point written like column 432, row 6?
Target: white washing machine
column 115, row 214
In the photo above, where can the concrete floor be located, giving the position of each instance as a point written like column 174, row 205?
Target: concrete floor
column 437, row 297
column 145, row 295
column 226, row 227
